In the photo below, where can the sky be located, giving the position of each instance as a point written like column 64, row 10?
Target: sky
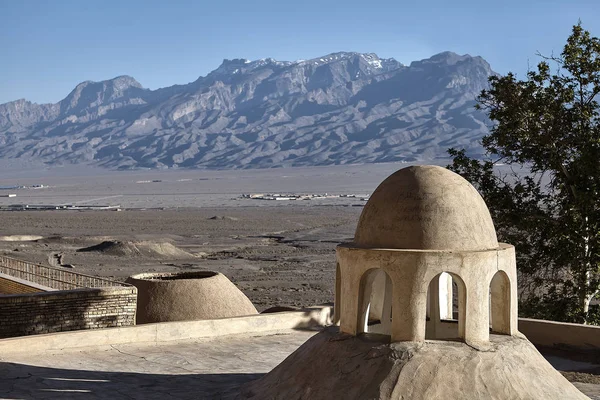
column 48, row 47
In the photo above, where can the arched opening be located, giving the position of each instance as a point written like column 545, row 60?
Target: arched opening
column 500, row 303
column 446, row 301
column 375, row 301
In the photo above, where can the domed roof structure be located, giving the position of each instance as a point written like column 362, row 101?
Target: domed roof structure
column 426, row 207
column 186, row 296
column 440, row 323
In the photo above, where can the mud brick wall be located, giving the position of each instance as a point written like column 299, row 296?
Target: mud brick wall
column 13, row 286
column 58, row 311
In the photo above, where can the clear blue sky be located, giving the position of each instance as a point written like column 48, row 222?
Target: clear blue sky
column 48, row 47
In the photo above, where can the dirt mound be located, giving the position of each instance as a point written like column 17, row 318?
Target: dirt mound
column 137, row 249
column 222, row 217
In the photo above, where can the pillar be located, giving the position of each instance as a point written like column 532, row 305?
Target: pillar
column 477, row 319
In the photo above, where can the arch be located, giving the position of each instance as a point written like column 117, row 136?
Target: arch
column 446, row 298
column 375, row 302
column 500, row 303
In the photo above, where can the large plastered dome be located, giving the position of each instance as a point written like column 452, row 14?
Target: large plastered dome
column 425, row 243
column 426, row 207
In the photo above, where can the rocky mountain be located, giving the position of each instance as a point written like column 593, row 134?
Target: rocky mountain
column 337, row 109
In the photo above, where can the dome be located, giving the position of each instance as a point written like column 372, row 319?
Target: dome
column 188, row 296
column 426, row 208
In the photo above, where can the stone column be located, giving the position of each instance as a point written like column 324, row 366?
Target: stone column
column 500, row 303
column 477, row 321
column 434, row 306
column 349, row 305
column 409, row 312
column 338, row 295
column 386, row 315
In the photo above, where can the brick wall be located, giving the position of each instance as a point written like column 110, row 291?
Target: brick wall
column 46, row 312
column 12, row 286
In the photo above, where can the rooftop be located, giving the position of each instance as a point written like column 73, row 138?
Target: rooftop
column 202, row 368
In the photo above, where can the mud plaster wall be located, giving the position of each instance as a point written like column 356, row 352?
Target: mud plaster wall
column 46, row 312
column 10, row 286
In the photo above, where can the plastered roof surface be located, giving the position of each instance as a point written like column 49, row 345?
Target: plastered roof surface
column 426, row 208
column 188, row 296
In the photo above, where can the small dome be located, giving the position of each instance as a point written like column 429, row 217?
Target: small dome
column 186, row 296
column 426, row 208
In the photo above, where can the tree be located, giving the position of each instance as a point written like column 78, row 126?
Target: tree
column 546, row 131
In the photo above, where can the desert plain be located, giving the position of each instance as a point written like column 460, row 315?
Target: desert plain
column 278, row 252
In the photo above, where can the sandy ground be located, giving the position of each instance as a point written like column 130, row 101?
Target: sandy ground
column 276, row 255
column 176, row 189
column 277, row 252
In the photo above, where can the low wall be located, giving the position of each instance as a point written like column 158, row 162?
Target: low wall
column 539, row 332
column 170, row 331
column 560, row 334
column 66, row 310
column 547, row 333
column 11, row 285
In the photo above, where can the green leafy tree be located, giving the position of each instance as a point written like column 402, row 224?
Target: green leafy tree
column 546, row 198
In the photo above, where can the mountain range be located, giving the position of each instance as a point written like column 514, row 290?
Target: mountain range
column 341, row 108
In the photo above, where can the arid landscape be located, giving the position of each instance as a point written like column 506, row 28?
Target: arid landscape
column 280, row 253
column 276, row 255
column 252, row 200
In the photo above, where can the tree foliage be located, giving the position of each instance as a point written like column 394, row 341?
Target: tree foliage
column 546, row 198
